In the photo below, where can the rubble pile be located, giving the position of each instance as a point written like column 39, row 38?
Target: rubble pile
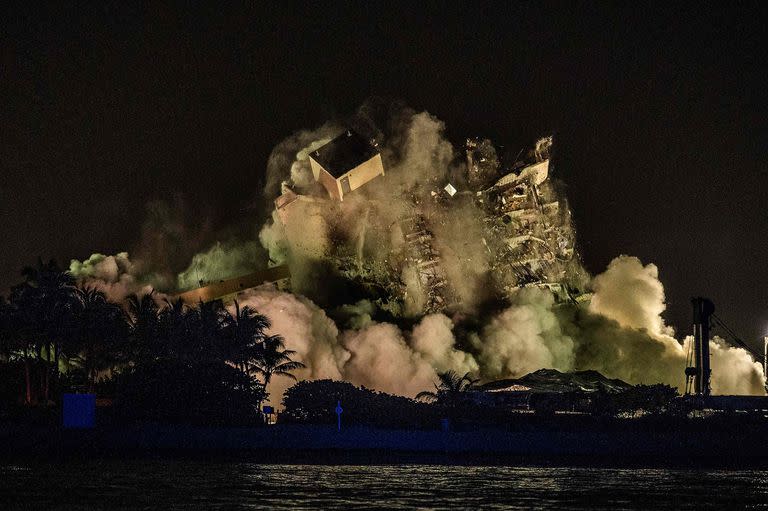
column 433, row 245
column 529, row 231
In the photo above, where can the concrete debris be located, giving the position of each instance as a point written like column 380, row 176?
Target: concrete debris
column 482, row 163
column 408, row 262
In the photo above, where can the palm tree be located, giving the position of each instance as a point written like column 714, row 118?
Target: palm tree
column 206, row 333
column 176, row 322
column 6, row 330
column 44, row 302
column 100, row 325
column 245, row 337
column 142, row 317
column 23, row 337
column 274, row 359
column 450, row 390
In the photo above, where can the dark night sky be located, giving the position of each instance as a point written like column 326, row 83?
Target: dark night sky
column 659, row 115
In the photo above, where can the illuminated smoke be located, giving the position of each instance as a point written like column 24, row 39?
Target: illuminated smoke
column 419, row 160
column 624, row 335
column 433, row 339
column 288, row 160
column 620, row 332
column 222, row 261
column 377, row 355
column 523, row 338
column 532, row 333
column 733, row 370
column 116, row 275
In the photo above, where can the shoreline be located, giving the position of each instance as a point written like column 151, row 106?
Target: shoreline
column 305, row 444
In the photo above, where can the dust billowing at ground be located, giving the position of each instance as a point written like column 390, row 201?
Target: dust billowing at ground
column 506, row 295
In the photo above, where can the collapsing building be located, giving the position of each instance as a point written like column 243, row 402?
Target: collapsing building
column 401, row 245
column 529, row 231
column 422, row 245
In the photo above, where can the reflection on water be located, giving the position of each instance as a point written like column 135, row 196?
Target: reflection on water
column 175, row 484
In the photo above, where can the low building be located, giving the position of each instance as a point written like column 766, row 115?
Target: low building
column 549, row 390
column 346, row 163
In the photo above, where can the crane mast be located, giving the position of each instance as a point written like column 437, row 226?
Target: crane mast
column 698, row 371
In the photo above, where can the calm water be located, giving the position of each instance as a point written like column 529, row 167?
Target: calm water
column 144, row 484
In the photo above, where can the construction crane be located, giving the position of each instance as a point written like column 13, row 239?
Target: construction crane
column 698, row 369
column 735, row 339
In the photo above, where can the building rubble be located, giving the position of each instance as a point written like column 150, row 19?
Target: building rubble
column 397, row 258
column 529, row 230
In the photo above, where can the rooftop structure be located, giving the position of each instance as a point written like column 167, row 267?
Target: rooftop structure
column 346, row 163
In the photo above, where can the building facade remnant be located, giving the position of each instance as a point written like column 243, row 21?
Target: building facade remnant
column 527, row 232
column 345, row 164
column 401, row 258
column 210, row 291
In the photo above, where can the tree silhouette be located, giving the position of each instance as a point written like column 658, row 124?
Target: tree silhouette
column 207, row 333
column 49, row 321
column 274, row 359
column 245, row 336
column 44, row 303
column 451, row 388
column 451, row 393
column 174, row 328
column 144, row 328
column 99, row 328
column 6, row 330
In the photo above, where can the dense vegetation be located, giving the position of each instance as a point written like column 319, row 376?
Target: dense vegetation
column 456, row 399
column 314, row 402
column 160, row 360
column 204, row 364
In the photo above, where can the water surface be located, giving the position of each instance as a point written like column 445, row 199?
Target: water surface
column 185, row 484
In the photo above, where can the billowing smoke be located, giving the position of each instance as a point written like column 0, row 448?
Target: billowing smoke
column 639, row 347
column 433, row 339
column 348, row 259
column 734, row 371
column 288, row 160
column 377, row 355
column 116, row 275
column 222, row 261
column 419, row 162
column 631, row 294
column 532, row 333
column 523, row 338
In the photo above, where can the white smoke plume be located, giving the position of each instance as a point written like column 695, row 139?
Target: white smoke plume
column 733, row 370
column 637, row 346
column 630, row 294
column 523, row 338
column 116, row 275
column 433, row 338
column 377, row 355
column 222, row 261
column 620, row 332
column 625, row 338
